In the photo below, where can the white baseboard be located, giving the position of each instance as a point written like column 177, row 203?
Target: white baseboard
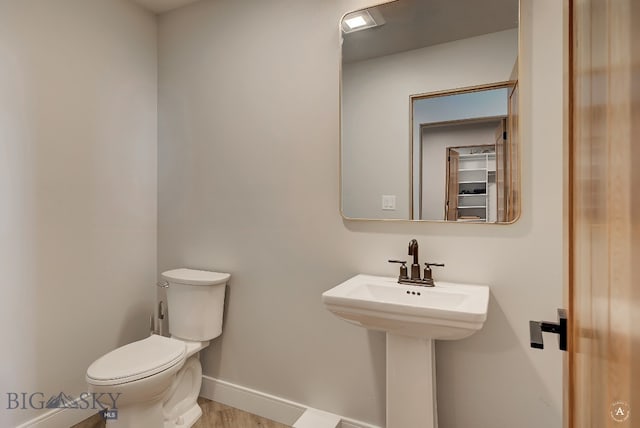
column 259, row 403
column 252, row 401
column 352, row 423
column 59, row 418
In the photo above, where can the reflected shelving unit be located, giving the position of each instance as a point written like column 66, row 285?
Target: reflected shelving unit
column 476, row 185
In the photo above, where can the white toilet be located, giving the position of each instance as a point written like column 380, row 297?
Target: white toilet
column 159, row 378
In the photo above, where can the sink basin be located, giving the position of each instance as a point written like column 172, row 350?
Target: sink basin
column 413, row 317
column 447, row 311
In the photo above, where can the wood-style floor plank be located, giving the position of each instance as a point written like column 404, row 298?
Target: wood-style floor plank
column 94, row 421
column 214, row 415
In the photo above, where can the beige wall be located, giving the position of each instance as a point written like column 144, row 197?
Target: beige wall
column 375, row 112
column 249, row 164
column 78, row 133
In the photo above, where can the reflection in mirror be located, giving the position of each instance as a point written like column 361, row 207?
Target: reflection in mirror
column 393, row 52
column 461, row 144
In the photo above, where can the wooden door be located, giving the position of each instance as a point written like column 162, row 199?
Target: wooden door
column 451, row 204
column 513, row 174
column 501, row 183
column 604, row 255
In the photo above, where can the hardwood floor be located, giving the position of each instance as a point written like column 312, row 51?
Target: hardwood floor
column 214, row 415
column 94, row 421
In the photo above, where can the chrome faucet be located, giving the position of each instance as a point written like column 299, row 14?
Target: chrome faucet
column 414, row 279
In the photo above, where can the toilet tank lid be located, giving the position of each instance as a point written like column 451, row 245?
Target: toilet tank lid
column 195, row 277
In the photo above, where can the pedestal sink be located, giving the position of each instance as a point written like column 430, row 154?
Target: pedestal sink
column 413, row 317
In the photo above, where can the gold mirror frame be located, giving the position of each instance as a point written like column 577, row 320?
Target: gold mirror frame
column 514, row 80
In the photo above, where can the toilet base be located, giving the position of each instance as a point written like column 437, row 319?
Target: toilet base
column 139, row 415
column 180, row 407
column 175, row 407
column 187, row 419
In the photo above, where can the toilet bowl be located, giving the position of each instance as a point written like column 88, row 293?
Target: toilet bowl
column 155, row 382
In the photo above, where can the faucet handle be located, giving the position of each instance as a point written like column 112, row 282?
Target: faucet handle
column 403, row 268
column 429, row 264
column 428, row 275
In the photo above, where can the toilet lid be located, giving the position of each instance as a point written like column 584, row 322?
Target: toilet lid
column 137, row 360
column 195, row 277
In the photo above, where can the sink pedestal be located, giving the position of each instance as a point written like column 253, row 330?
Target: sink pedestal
column 411, row 382
column 413, row 317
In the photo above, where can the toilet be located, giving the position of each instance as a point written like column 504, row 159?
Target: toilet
column 158, row 379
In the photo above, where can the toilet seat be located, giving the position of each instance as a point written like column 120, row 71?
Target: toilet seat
column 137, row 360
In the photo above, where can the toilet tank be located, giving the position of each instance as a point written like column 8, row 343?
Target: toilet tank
column 195, row 299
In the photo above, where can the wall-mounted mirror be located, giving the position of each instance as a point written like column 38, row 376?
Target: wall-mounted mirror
column 428, row 86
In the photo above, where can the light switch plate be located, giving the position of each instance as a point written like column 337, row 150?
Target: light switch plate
column 389, row 202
